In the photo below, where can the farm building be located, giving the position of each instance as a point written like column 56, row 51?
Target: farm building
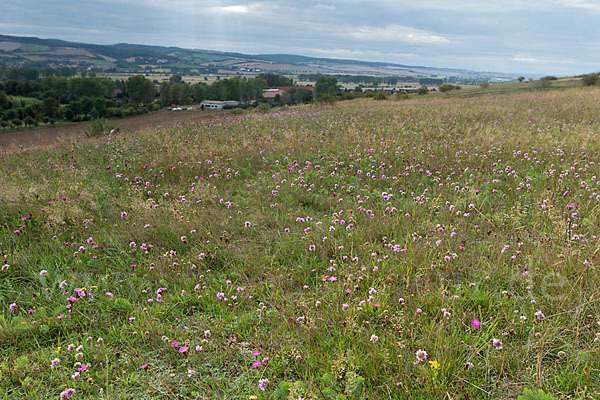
column 217, row 105
column 280, row 90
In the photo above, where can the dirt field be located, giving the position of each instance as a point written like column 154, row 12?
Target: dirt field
column 45, row 136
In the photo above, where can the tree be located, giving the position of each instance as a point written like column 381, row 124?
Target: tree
column 276, row 80
column 327, row 85
column 51, row 108
column 521, row 78
column 87, row 105
column 140, row 90
column 4, row 102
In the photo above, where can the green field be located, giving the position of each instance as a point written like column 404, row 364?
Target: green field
column 433, row 248
column 27, row 100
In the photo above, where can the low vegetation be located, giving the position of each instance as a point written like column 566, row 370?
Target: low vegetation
column 431, row 248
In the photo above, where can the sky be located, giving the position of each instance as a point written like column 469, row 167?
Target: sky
column 557, row 37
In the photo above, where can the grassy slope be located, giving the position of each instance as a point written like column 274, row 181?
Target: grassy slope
column 487, row 208
column 512, row 88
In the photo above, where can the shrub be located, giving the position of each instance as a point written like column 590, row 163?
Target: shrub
column 324, row 98
column 379, row 96
column 422, row 90
column 99, row 127
column 590, row 79
column 236, row 111
column 263, row 108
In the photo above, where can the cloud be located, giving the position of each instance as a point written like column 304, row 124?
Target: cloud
column 543, row 60
column 232, row 9
column 583, row 4
column 400, row 33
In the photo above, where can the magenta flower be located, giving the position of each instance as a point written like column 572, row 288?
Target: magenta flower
column 256, row 364
column 54, row 363
column 475, row 323
column 183, row 349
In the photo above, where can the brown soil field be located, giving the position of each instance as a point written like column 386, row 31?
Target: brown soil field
column 45, row 136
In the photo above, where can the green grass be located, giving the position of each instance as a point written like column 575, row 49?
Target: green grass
column 344, row 239
column 511, row 88
column 27, row 100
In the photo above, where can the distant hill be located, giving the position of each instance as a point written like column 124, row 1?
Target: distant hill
column 18, row 51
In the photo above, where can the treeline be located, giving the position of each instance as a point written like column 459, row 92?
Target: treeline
column 176, row 91
column 359, row 79
column 35, row 73
column 51, row 99
column 394, row 80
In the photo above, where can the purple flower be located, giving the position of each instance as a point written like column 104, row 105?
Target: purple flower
column 262, row 384
column 66, row 394
column 497, row 344
column 54, row 363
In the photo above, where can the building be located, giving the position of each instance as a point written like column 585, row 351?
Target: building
column 280, row 90
column 218, row 105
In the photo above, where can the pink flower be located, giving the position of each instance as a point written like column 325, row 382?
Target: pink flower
column 66, row 394
column 475, row 323
column 183, row 349
column 256, row 364
column 374, row 339
column 43, row 272
column 143, row 366
column 497, row 344
column 421, row 355
column 54, row 363
column 540, row 315
column 12, row 306
column 262, row 384
column 255, row 353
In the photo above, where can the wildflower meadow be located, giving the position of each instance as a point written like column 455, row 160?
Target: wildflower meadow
column 419, row 249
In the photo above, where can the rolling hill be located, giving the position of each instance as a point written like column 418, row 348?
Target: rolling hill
column 18, row 51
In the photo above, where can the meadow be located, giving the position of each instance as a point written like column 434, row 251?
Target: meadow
column 422, row 249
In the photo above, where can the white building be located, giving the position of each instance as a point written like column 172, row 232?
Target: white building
column 217, row 105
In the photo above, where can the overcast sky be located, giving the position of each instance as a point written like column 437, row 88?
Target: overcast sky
column 560, row 37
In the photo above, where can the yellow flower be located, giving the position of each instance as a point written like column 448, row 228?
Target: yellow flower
column 252, row 397
column 434, row 364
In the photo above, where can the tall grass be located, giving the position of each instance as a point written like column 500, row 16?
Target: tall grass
column 421, row 249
